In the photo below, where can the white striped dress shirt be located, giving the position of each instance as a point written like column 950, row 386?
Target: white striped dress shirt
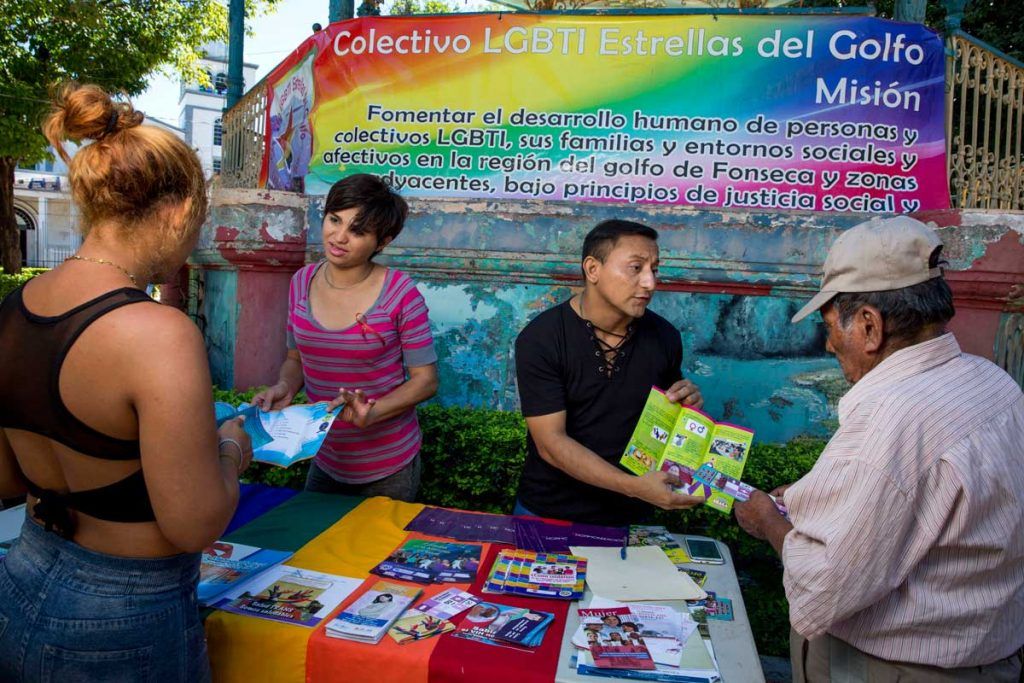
column 908, row 538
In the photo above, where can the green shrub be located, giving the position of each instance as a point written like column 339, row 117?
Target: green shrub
column 9, row 283
column 472, row 459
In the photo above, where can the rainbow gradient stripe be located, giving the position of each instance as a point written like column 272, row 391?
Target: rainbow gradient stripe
column 697, row 66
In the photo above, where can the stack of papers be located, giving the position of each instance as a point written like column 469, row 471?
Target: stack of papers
column 641, row 641
column 539, row 575
column 371, row 616
column 505, row 626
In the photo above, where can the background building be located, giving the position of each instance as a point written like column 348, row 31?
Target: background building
column 202, row 106
column 44, row 211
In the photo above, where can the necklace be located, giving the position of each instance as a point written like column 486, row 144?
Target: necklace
column 601, row 329
column 105, row 262
column 327, row 279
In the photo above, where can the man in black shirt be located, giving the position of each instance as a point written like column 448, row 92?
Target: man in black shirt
column 585, row 368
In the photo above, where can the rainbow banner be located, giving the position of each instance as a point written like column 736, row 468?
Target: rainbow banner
column 744, row 112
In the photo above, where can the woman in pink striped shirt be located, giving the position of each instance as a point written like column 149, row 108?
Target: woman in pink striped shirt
column 358, row 334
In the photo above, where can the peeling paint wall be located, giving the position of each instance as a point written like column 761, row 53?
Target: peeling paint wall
column 730, row 283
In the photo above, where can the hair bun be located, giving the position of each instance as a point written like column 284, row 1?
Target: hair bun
column 83, row 112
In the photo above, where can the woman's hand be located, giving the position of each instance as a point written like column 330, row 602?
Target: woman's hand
column 358, row 409
column 274, row 397
column 233, row 432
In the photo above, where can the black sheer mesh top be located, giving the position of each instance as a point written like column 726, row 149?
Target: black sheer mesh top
column 33, row 349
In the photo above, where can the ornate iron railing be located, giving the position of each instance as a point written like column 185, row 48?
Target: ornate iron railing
column 984, row 126
column 243, row 128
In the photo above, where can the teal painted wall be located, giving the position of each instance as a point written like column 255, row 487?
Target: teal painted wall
column 220, row 308
column 730, row 281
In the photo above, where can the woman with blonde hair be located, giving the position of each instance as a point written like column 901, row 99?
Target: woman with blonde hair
column 106, row 421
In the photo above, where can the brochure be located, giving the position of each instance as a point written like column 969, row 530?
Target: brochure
column 707, row 457
column 373, row 613
column 642, row 534
column 415, row 625
column 447, row 604
column 662, row 630
column 503, row 625
column 431, row 562
column 547, row 575
column 289, row 594
column 227, row 564
column 282, row 437
column 671, row 638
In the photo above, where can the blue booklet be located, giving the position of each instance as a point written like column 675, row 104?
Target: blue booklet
column 282, row 437
column 225, row 565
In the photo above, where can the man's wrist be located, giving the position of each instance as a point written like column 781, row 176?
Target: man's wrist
column 776, row 531
column 630, row 485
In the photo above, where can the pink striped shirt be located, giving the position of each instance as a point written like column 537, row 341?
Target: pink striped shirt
column 372, row 358
column 908, row 539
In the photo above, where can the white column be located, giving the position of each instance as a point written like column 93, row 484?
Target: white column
column 42, row 234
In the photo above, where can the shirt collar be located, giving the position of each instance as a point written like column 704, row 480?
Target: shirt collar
column 902, row 364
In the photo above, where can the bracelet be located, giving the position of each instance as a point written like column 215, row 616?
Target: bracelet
column 238, row 460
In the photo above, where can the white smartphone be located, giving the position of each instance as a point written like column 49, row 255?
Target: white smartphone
column 703, row 551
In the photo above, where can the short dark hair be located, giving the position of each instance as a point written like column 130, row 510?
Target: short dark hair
column 905, row 311
column 605, row 235
column 381, row 210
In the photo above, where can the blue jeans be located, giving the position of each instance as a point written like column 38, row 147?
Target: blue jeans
column 70, row 614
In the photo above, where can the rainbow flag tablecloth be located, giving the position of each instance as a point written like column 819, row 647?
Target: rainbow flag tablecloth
column 349, row 536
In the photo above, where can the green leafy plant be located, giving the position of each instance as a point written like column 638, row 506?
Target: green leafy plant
column 9, row 283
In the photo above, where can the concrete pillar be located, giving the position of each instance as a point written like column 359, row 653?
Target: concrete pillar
column 248, row 253
column 42, row 233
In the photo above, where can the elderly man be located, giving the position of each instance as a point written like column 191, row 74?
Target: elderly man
column 904, row 549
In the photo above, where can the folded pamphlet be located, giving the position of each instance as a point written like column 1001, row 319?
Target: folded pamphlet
column 282, row 437
column 503, row 625
column 373, row 613
column 707, row 457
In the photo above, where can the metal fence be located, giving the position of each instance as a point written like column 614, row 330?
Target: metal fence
column 51, row 257
column 984, row 126
column 244, row 126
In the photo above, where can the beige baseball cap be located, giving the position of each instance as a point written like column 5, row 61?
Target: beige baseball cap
column 877, row 256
